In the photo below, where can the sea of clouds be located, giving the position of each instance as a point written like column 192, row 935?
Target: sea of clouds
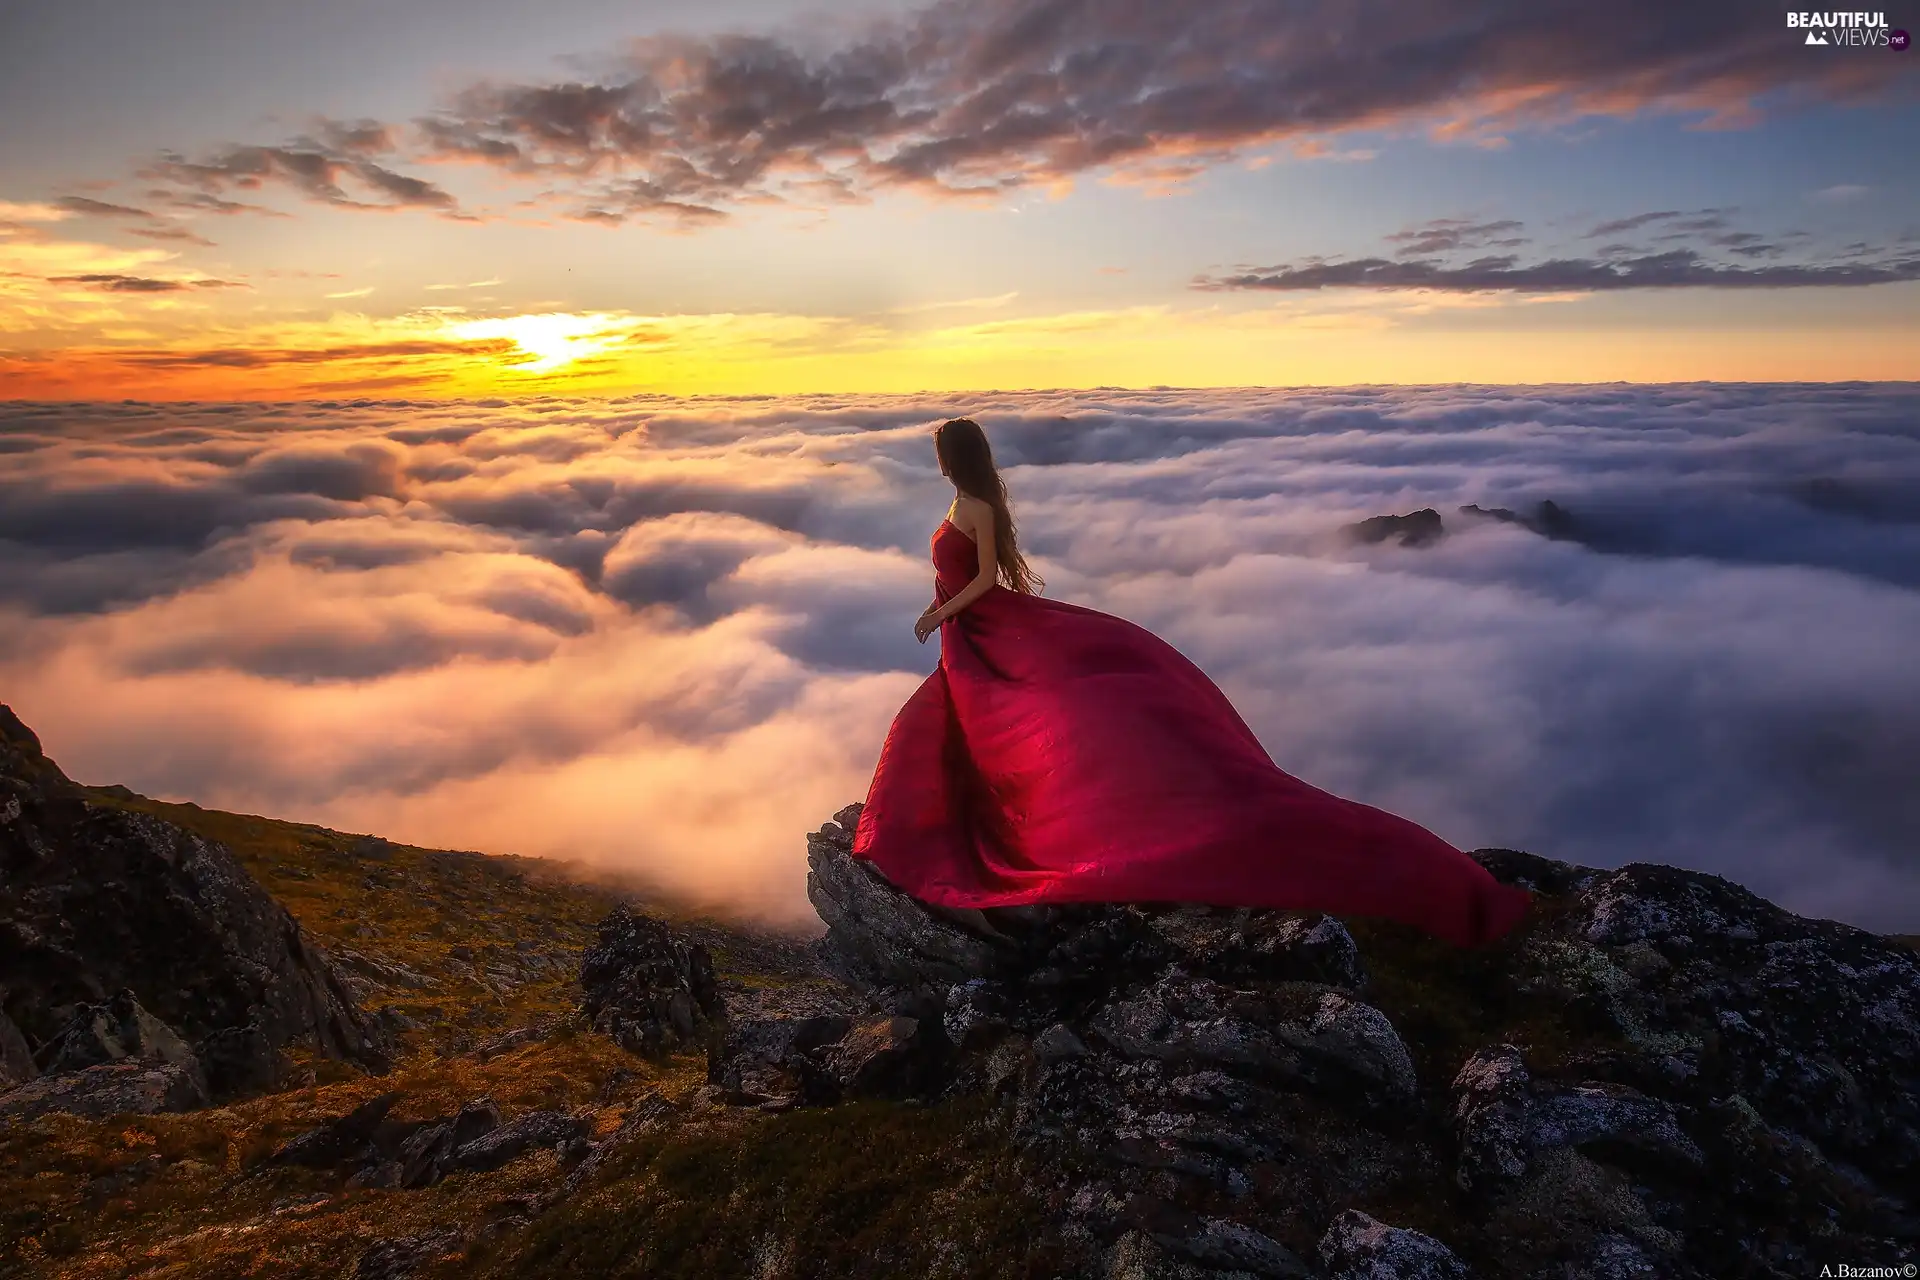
column 668, row 635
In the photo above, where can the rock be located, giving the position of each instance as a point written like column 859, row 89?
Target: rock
column 339, row 1140
column 766, row 1059
column 1296, row 1033
column 893, row 1057
column 976, row 1014
column 1549, row 519
column 879, row 939
column 1058, row 1041
column 1415, row 529
column 111, row 1089
column 107, row 1032
column 518, row 1038
column 382, row 973
column 245, row 1058
column 404, row 1256
column 96, row 899
column 1504, row 1117
column 646, row 990
column 1357, row 1247
column 1216, row 1244
column 510, row 1141
column 1673, row 1078
column 1225, row 1245
column 1812, row 1022
column 1136, row 1256
column 423, row 1157
column 16, row 1059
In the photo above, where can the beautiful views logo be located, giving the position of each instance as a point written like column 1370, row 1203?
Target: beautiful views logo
column 1862, row 30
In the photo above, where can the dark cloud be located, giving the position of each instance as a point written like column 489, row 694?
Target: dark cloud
column 87, row 207
column 264, row 357
column 351, row 474
column 312, row 168
column 1674, row 269
column 973, row 98
column 1444, row 235
column 177, row 234
column 144, row 284
column 1634, row 223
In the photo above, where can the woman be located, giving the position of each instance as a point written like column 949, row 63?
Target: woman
column 1059, row 754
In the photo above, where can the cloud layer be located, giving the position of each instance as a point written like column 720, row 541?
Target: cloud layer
column 669, row 634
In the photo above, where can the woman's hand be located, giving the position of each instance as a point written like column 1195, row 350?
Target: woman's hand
column 928, row 623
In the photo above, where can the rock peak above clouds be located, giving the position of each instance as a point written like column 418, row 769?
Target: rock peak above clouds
column 1658, row 1074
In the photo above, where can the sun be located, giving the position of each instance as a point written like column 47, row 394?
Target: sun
column 552, row 341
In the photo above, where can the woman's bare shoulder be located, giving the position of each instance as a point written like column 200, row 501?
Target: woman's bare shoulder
column 972, row 512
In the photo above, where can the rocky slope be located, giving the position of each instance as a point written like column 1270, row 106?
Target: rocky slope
column 126, row 939
column 1657, row 1075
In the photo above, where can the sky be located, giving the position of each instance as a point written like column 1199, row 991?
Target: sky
column 266, row 200
column 667, row 635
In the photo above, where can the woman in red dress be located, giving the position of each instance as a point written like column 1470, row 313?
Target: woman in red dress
column 1059, row 754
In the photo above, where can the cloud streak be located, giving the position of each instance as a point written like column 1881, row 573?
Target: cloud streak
column 1675, row 269
column 668, row 634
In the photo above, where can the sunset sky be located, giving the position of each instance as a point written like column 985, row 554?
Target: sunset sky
column 263, row 199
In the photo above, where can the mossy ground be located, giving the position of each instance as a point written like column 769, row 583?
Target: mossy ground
column 496, row 943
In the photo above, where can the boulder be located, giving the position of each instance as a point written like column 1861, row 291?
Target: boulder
column 879, row 939
column 96, row 899
column 508, row 1142
column 644, row 988
column 1300, row 1034
column 1709, row 987
column 894, row 1057
column 1357, row 1247
column 115, row 1029
column 339, row 1140
column 403, row 1256
column 768, row 1060
column 16, row 1057
column 111, row 1089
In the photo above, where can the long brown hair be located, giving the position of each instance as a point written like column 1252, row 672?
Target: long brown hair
column 967, row 459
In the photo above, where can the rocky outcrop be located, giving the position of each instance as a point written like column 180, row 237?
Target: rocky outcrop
column 1425, row 528
column 107, row 1032
column 376, row 1151
column 1415, row 529
column 1656, row 1074
column 16, row 1055
column 1356, row 1247
column 646, row 989
column 1548, row 519
column 111, row 1089
column 97, row 901
column 878, row 938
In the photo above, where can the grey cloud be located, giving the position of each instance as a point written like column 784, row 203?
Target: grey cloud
column 143, row 284
column 1445, row 235
column 87, row 207
column 977, row 98
column 311, row 168
column 1675, row 269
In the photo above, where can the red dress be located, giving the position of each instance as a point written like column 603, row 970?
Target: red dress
column 1059, row 754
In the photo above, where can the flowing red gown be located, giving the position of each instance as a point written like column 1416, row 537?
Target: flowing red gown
column 1060, row 754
